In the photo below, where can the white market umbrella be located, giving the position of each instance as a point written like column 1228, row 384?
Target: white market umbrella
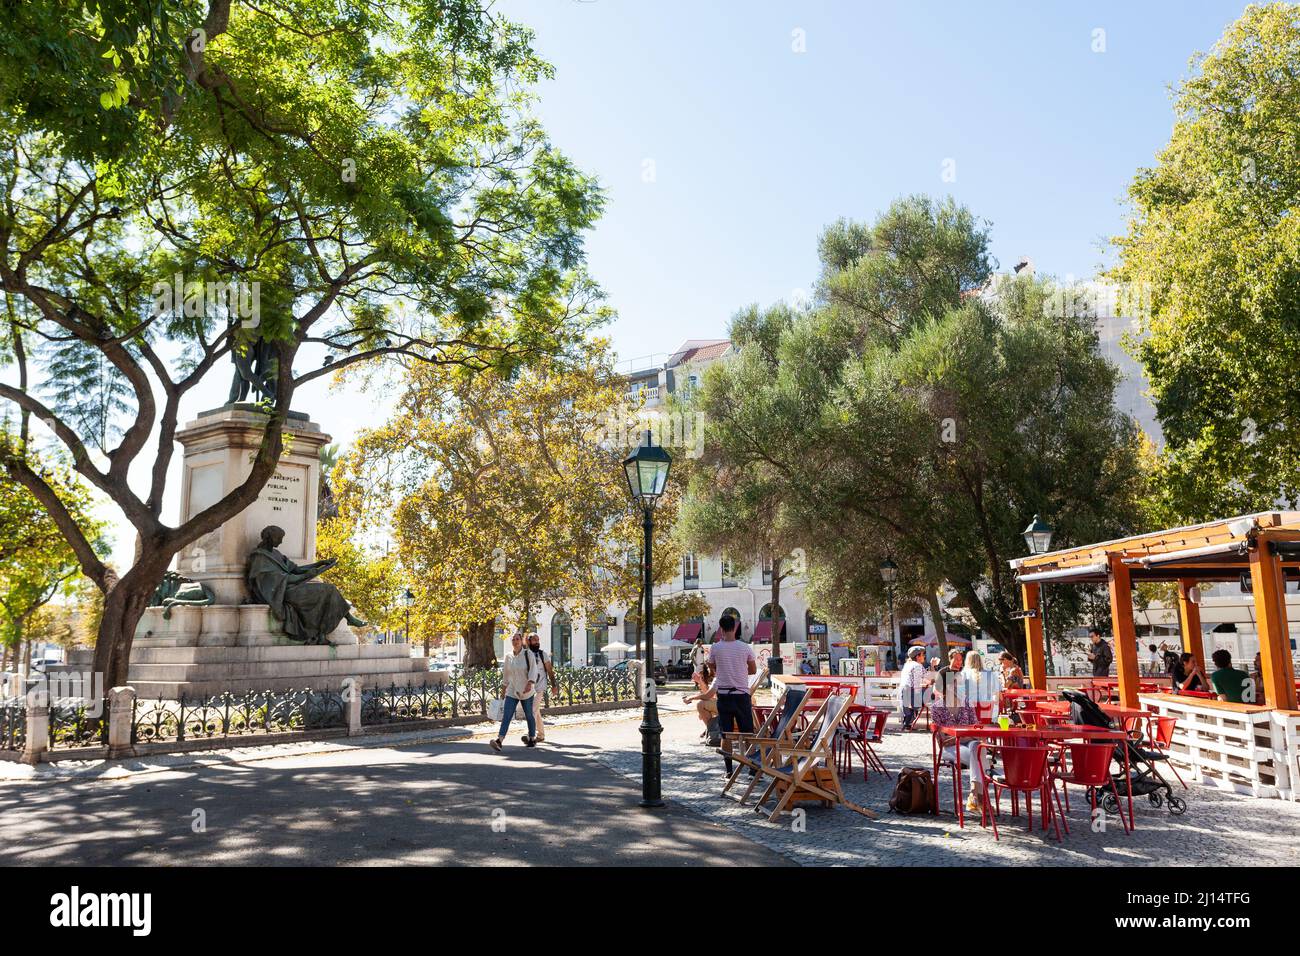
column 616, row 646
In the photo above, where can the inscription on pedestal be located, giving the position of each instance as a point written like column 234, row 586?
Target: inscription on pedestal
column 282, row 502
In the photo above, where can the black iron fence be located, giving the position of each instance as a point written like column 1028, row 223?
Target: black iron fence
column 236, row 715
column 75, row 724
column 13, row 724
column 590, row 685
column 468, row 694
column 465, row 695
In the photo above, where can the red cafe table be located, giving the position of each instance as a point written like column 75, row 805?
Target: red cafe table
column 1060, row 733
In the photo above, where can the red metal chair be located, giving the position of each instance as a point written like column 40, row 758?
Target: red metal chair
column 1088, row 766
column 862, row 726
column 1162, row 736
column 1024, row 770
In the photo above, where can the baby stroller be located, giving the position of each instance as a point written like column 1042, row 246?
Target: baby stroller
column 1145, row 778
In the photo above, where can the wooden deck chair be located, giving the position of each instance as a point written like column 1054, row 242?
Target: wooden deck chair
column 805, row 770
column 804, row 714
column 776, row 726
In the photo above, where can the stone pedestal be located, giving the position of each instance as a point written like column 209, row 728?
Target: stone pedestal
column 220, row 446
column 232, row 645
column 180, row 656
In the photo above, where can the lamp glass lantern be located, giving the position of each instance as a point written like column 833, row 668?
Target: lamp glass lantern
column 888, row 572
column 1038, row 536
column 647, row 471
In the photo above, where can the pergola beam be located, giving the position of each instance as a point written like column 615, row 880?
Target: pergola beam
column 1189, row 619
column 1123, row 631
column 1269, row 592
column 1030, row 599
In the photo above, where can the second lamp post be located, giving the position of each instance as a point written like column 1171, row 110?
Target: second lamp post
column 647, row 477
column 889, row 574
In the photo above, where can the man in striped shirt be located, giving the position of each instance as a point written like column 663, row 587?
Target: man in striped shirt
column 733, row 663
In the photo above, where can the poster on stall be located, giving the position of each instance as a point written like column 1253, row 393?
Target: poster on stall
column 795, row 654
column 869, row 661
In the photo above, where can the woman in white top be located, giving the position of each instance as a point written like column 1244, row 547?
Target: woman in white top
column 978, row 690
column 979, row 686
column 519, row 680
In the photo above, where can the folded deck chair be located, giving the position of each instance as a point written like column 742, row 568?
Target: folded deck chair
column 776, row 726
column 805, row 769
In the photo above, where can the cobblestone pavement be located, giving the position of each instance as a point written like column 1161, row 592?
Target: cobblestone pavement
column 1219, row 828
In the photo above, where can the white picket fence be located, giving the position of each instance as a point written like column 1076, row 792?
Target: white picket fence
column 1246, row 751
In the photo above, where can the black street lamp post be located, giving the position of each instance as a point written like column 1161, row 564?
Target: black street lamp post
column 647, row 477
column 407, row 600
column 1038, row 538
column 889, row 574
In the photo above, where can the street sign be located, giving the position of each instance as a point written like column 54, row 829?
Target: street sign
column 1021, row 615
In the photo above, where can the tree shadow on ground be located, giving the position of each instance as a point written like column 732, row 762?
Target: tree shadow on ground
column 442, row 803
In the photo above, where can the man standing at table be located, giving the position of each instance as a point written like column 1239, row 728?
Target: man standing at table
column 733, row 664
column 1100, row 654
column 911, row 687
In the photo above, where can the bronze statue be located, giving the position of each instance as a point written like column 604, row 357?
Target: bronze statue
column 253, row 369
column 309, row 610
column 176, row 590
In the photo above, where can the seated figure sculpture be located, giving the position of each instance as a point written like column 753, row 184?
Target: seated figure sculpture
column 308, row 609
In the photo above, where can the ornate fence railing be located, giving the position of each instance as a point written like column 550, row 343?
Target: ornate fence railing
column 236, row 715
column 467, row 694
column 13, row 724
column 274, row 712
column 590, row 685
column 74, row 724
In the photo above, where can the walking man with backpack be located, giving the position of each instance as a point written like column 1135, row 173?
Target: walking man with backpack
column 518, row 673
column 543, row 673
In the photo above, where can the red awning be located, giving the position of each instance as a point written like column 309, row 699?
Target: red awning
column 689, row 631
column 763, row 632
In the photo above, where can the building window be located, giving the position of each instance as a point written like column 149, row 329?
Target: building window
column 597, row 637
column 690, row 571
column 767, row 571
column 561, row 639
column 728, row 572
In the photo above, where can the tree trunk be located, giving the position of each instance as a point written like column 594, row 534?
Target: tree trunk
column 479, row 651
column 940, row 634
column 124, row 605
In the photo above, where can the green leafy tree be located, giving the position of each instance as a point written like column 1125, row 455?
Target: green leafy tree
column 1213, row 246
column 926, row 413
column 372, row 171
column 505, row 493
column 36, row 563
column 737, row 496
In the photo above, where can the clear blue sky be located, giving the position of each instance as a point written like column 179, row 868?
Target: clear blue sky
column 756, row 147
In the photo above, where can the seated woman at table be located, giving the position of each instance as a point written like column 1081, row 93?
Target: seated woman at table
column 1187, row 675
column 975, row 772
column 979, row 687
column 1013, row 678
